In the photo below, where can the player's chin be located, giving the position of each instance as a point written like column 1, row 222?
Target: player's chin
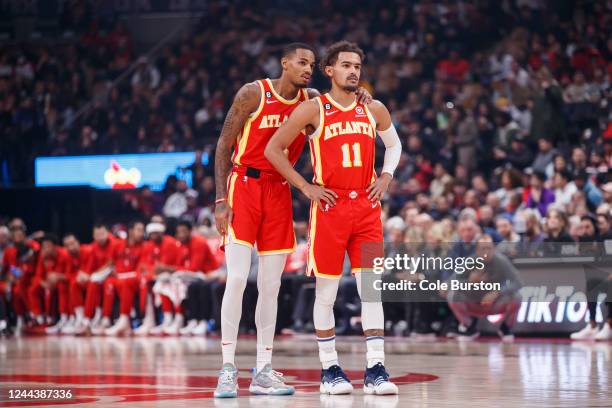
column 351, row 88
column 302, row 83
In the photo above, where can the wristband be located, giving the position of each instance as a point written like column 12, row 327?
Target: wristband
column 220, row 200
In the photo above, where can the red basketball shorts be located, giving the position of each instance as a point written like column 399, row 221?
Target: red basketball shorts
column 353, row 225
column 263, row 214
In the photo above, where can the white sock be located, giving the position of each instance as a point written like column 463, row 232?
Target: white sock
column 97, row 315
column 79, row 313
column 179, row 320
column 375, row 354
column 264, row 356
column 149, row 316
column 238, row 260
column 268, row 283
column 228, row 352
column 323, row 319
column 327, row 351
column 2, row 324
column 167, row 319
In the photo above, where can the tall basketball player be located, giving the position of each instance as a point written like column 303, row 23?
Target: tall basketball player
column 345, row 214
column 254, row 208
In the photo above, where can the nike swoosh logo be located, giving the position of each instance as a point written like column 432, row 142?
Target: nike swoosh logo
column 268, row 101
column 225, row 344
column 375, row 204
column 330, row 113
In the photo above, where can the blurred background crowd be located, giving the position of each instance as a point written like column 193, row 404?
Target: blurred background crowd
column 503, row 108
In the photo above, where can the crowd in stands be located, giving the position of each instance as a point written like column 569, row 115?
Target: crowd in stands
column 503, row 109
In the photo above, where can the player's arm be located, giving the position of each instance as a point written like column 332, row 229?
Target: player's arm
column 306, row 114
column 59, row 274
column 393, row 149
column 245, row 102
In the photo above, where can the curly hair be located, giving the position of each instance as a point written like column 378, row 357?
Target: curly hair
column 331, row 54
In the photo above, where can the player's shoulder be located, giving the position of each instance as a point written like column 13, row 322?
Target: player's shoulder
column 310, row 105
column 248, row 95
column 169, row 240
column 250, row 88
column 378, row 110
column 198, row 242
column 312, row 93
column 376, row 106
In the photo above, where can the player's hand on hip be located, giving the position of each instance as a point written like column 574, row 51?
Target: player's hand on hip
column 223, row 216
column 318, row 194
column 363, row 96
column 377, row 189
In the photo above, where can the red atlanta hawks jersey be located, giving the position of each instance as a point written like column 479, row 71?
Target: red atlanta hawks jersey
column 272, row 112
column 342, row 147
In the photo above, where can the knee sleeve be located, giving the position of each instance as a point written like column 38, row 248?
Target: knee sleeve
column 325, row 296
column 372, row 315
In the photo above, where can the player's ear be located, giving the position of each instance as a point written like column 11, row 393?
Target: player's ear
column 329, row 71
column 284, row 62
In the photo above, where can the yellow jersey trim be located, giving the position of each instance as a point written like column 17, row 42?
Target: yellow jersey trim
column 280, row 98
column 316, row 145
column 244, row 136
column 337, row 105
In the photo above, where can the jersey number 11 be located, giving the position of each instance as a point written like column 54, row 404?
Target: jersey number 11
column 346, row 155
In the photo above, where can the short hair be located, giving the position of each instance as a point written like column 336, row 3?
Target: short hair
column 540, row 175
column 184, row 223
column 564, row 174
column 70, row 234
column 593, row 222
column 133, row 223
column 331, row 53
column 580, row 174
column 293, row 47
column 590, row 219
column 49, row 237
column 100, row 225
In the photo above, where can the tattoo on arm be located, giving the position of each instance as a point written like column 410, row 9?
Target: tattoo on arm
column 245, row 102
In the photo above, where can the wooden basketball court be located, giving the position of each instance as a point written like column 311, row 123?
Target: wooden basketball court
column 181, row 372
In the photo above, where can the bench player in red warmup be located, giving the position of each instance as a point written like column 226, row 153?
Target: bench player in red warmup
column 345, row 214
column 254, row 207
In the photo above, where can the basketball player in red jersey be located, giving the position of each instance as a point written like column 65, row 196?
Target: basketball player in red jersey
column 126, row 257
column 345, row 213
column 50, row 279
column 253, row 207
column 18, row 266
column 78, row 280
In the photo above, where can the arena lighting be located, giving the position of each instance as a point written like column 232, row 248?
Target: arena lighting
column 118, row 171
